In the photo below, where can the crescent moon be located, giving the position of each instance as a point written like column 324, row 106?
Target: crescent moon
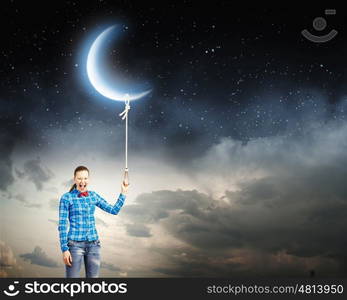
column 95, row 71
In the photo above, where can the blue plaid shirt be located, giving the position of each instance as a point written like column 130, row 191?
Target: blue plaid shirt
column 80, row 213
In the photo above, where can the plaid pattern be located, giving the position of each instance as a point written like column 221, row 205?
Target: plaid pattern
column 80, row 213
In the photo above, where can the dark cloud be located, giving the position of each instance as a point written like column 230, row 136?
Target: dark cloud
column 6, row 176
column 110, row 267
column 38, row 257
column 104, row 134
column 138, row 230
column 14, row 129
column 19, row 174
column 195, row 262
column 22, row 198
column 36, row 173
column 189, row 262
column 280, row 234
column 289, row 197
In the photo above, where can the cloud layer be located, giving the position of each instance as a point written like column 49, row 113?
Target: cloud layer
column 281, row 199
column 35, row 172
column 271, row 206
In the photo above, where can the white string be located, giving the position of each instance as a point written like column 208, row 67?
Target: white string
column 124, row 115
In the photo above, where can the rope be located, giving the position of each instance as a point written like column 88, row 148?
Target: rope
column 124, row 115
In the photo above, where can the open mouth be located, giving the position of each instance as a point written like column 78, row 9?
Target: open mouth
column 82, row 186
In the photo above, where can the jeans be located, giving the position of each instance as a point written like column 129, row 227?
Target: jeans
column 89, row 251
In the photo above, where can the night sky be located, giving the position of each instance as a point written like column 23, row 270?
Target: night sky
column 215, row 72
column 244, row 131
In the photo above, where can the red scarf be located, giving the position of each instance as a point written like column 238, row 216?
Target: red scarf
column 83, row 194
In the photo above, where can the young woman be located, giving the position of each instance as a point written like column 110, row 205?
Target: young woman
column 81, row 242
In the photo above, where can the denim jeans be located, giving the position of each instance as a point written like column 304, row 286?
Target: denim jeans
column 87, row 251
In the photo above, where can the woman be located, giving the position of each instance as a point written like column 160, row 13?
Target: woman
column 81, row 242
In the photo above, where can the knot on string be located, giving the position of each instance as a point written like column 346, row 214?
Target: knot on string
column 124, row 113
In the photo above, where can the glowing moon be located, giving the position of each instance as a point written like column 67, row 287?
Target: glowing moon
column 96, row 73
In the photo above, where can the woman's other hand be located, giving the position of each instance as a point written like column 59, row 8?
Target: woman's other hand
column 67, row 258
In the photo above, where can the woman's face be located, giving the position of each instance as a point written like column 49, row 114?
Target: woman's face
column 81, row 179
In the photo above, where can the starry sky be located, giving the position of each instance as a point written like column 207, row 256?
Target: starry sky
column 236, row 157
